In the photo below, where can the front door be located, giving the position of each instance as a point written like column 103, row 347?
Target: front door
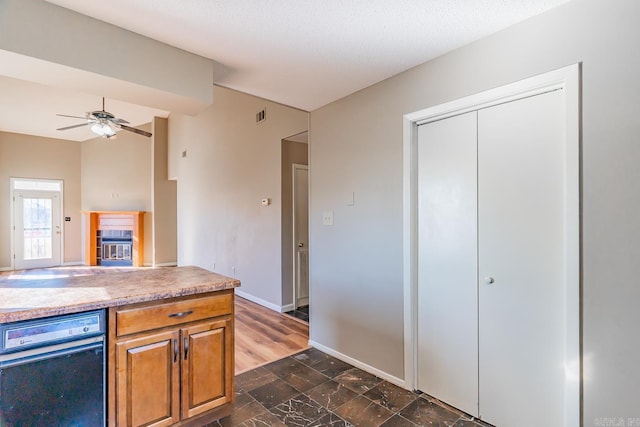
column 37, row 229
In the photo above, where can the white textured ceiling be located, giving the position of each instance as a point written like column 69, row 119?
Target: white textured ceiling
column 307, row 53
column 300, row 53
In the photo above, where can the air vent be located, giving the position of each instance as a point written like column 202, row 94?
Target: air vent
column 261, row 115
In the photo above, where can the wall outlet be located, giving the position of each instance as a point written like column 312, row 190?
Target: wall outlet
column 327, row 218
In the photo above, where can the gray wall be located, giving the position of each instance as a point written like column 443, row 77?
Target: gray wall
column 231, row 164
column 27, row 156
column 163, row 198
column 356, row 265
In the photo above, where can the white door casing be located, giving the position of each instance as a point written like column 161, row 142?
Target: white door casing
column 566, row 82
column 300, row 174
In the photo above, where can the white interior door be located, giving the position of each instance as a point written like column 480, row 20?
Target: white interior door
column 521, row 245
column 447, row 264
column 301, row 235
column 37, row 229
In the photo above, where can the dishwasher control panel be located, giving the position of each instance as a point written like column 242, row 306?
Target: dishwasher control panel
column 36, row 333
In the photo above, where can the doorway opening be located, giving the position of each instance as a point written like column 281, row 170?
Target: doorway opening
column 295, row 227
column 36, row 223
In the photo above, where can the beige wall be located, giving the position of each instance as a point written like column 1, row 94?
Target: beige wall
column 360, row 258
column 116, row 176
column 292, row 152
column 25, row 156
column 231, row 164
column 164, row 199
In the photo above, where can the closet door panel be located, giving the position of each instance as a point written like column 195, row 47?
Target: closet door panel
column 447, row 248
column 520, row 220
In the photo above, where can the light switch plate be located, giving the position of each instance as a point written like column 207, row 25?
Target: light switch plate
column 327, row 218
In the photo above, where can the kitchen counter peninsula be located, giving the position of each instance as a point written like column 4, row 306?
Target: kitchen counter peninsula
column 169, row 344
column 55, row 295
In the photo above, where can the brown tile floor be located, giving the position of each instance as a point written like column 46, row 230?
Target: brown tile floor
column 313, row 389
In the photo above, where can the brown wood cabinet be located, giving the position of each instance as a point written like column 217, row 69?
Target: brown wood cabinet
column 171, row 362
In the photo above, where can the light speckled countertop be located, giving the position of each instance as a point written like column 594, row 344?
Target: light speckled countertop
column 29, row 299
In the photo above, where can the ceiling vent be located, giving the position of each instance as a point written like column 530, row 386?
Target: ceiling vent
column 261, row 115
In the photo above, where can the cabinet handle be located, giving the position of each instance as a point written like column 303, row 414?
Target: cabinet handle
column 181, row 314
column 186, row 347
column 175, row 350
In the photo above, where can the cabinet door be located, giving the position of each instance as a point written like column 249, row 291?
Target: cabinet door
column 147, row 380
column 207, row 366
column 521, row 198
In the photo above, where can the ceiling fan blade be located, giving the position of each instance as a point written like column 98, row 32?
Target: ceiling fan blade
column 75, row 117
column 74, row 126
column 134, row 130
column 119, row 121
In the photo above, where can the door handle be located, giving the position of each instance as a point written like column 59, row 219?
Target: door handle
column 175, row 350
column 300, row 244
column 186, row 348
column 489, row 280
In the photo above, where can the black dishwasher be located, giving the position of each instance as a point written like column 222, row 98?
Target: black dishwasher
column 52, row 371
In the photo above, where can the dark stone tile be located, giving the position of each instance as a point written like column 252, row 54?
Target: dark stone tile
column 305, row 378
column 331, row 394
column 391, row 396
column 398, row 421
column 465, row 421
column 242, row 414
column 358, row 380
column 331, row 366
column 304, row 309
column 425, row 413
column 299, row 411
column 242, row 398
column 310, row 356
column 284, row 366
column 274, row 393
column 363, row 412
column 265, row 420
column 253, row 379
column 330, row 420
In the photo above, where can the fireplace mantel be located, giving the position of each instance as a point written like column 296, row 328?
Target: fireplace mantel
column 114, row 220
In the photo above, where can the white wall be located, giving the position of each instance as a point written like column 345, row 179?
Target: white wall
column 356, row 145
column 231, row 164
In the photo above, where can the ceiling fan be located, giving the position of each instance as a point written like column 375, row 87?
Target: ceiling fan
column 104, row 124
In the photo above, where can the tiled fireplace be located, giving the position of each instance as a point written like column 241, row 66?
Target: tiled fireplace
column 114, row 238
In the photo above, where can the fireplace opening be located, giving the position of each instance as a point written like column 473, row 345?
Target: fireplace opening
column 114, row 248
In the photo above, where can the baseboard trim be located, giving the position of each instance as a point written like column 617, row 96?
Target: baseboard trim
column 358, row 364
column 285, row 308
column 6, row 268
column 257, row 300
column 166, row 264
column 72, row 263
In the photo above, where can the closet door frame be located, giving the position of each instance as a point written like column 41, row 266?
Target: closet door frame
column 566, row 79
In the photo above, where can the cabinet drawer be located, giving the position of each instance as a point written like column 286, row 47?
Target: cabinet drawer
column 130, row 321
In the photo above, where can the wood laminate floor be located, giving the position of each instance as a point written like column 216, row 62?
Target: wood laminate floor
column 263, row 335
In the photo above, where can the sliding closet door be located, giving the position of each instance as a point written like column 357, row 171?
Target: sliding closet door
column 447, row 251
column 521, row 291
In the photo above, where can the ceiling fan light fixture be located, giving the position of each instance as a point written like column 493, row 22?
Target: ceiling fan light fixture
column 103, row 129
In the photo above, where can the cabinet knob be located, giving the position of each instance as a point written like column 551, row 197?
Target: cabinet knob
column 489, row 280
